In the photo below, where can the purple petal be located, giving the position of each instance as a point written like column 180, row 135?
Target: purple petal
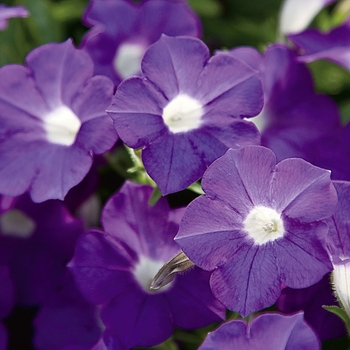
column 11, row 12
column 145, row 229
column 97, row 135
column 165, row 64
column 273, row 330
column 164, row 160
column 339, row 224
column 301, row 255
column 59, row 71
column 233, row 180
column 333, row 46
column 210, row 232
column 223, row 87
column 136, row 110
column 308, row 193
column 94, row 99
column 192, row 303
column 100, row 267
column 247, row 54
column 249, row 282
column 138, row 319
column 69, row 168
column 152, row 21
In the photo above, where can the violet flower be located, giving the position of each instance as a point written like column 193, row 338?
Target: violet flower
column 258, row 227
column 186, row 110
column 122, row 31
column 115, row 267
column 11, row 12
column 271, row 331
column 333, row 46
column 52, row 116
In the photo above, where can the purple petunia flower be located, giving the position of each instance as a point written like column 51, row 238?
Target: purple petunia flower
column 333, row 46
column 123, row 30
column 115, row 267
column 52, row 116
column 11, row 12
column 267, row 331
column 186, row 110
column 258, row 227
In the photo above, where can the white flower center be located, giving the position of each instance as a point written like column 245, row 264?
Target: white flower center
column 264, row 225
column 183, row 113
column 144, row 272
column 15, row 223
column 62, row 126
column 127, row 59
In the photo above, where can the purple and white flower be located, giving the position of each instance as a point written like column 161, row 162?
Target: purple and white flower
column 259, row 227
column 123, row 30
column 186, row 110
column 53, row 120
column 115, row 268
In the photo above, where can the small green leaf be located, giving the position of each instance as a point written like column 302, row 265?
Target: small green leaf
column 340, row 313
column 196, row 188
column 156, row 195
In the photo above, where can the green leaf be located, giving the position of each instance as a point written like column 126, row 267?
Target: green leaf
column 156, row 195
column 340, row 313
column 196, row 188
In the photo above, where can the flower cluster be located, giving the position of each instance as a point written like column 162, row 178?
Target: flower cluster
column 157, row 189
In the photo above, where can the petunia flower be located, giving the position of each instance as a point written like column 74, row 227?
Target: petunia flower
column 11, row 12
column 296, row 15
column 333, row 46
column 123, row 30
column 53, row 120
column 271, row 331
column 258, row 227
column 186, row 110
column 115, row 268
